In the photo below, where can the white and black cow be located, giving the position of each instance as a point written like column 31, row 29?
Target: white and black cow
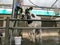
column 35, row 33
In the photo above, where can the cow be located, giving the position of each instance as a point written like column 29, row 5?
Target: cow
column 35, row 33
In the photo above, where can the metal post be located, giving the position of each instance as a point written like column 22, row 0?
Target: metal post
column 13, row 10
column 7, row 32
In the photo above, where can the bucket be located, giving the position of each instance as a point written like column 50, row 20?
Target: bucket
column 17, row 40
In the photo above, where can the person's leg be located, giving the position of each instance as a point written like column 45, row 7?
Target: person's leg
column 16, row 13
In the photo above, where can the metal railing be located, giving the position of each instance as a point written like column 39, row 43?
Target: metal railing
column 7, row 27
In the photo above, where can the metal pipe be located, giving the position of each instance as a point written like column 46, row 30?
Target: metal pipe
column 30, row 20
column 54, row 3
column 41, row 7
column 31, row 27
column 7, row 32
column 34, row 28
column 2, row 27
column 35, row 20
column 2, row 19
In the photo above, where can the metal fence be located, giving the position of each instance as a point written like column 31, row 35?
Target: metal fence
column 7, row 28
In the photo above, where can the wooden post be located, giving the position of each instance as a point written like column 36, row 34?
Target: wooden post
column 7, row 32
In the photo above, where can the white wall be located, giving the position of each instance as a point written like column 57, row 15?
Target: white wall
column 6, row 1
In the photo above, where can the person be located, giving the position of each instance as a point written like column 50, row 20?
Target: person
column 17, row 7
column 27, row 12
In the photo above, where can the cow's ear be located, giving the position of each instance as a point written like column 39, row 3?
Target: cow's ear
column 33, row 15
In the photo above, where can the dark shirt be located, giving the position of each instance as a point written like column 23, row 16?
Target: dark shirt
column 17, row 5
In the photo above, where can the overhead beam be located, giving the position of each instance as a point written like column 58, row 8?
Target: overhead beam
column 54, row 3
